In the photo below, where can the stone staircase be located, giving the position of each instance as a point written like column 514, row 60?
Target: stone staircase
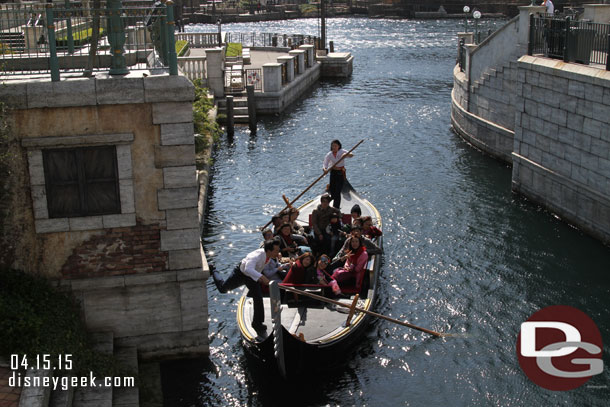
column 240, row 107
column 492, row 93
column 99, row 396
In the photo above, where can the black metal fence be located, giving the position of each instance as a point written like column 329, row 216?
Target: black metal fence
column 572, row 41
column 462, row 55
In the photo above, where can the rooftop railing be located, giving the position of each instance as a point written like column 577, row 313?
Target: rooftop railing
column 572, row 41
column 46, row 39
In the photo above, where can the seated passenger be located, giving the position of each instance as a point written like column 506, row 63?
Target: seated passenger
column 322, row 273
column 300, row 269
column 291, row 244
column 274, row 270
column 351, row 275
column 296, row 228
column 368, row 229
column 267, row 235
column 320, row 218
column 333, row 230
column 277, row 222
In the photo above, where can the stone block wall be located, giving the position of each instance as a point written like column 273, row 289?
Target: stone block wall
column 132, row 267
column 561, row 155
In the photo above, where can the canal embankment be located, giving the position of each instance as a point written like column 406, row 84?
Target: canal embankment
column 546, row 117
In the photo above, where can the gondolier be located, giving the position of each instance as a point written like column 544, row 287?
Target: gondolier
column 337, row 174
column 249, row 272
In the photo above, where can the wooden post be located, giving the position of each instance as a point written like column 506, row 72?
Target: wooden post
column 331, row 45
column 251, row 108
column 352, row 309
column 230, row 117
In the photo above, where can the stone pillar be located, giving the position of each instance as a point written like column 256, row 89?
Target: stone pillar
column 524, row 21
column 300, row 59
column 468, row 37
column 272, row 77
column 216, row 80
column 32, row 35
column 310, row 49
column 289, row 61
column 469, row 49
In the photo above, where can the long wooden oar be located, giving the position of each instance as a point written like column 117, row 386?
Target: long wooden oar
column 396, row 321
column 289, row 204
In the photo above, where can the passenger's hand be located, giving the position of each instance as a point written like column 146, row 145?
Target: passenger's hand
column 263, row 280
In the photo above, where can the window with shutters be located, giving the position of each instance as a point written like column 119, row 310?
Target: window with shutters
column 81, row 181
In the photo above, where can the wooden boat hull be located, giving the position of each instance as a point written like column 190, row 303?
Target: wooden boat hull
column 312, row 337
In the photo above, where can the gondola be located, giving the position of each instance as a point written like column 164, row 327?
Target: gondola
column 307, row 332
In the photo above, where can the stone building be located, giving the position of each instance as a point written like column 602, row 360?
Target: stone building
column 103, row 200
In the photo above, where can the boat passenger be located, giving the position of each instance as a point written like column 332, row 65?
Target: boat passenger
column 277, row 222
column 285, row 217
column 322, row 273
column 368, row 229
column 291, row 244
column 296, row 228
column 352, row 273
column 337, row 174
column 300, row 269
column 333, row 230
column 249, row 273
column 371, row 247
column 320, row 218
column 275, row 270
column 267, row 235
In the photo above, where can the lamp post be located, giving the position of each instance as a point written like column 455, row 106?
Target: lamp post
column 466, row 10
column 219, row 22
column 477, row 16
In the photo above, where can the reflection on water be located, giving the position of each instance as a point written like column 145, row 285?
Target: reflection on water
column 462, row 253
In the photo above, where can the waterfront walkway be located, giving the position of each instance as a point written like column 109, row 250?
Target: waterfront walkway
column 257, row 58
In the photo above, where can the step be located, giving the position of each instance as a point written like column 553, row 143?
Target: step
column 127, row 396
column 62, row 398
column 238, row 111
column 96, row 396
column 36, row 396
column 237, row 102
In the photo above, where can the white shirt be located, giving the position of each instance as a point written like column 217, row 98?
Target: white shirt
column 330, row 159
column 254, row 263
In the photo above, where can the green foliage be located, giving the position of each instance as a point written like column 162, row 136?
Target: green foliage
column 308, row 8
column 36, row 319
column 80, row 37
column 234, row 49
column 181, row 47
column 5, row 49
column 201, row 107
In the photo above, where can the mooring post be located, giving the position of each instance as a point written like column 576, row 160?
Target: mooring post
column 230, row 117
column 331, row 45
column 251, row 108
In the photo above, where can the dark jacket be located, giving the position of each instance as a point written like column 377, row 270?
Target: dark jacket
column 320, row 218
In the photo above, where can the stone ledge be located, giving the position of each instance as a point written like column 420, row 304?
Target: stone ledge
column 75, row 92
column 117, row 90
column 98, row 283
column 172, row 112
column 119, row 220
column 52, row 225
column 75, row 141
column 173, row 88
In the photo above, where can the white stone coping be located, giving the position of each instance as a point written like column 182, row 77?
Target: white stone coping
column 597, row 76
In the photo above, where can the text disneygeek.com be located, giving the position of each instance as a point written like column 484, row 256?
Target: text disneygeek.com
column 65, row 382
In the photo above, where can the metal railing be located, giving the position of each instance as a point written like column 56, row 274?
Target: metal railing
column 270, row 39
column 572, row 41
column 47, row 39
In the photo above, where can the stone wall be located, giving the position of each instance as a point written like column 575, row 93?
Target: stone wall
column 136, row 270
column 561, row 155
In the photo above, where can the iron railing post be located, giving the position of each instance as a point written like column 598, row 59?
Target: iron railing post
column 69, row 27
column 163, row 53
column 566, row 40
column 116, row 38
column 53, row 61
column 608, row 55
column 171, row 39
column 530, row 44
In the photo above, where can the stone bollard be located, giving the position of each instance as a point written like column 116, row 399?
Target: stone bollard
column 272, row 77
column 331, row 45
column 289, row 61
column 300, row 59
column 310, row 50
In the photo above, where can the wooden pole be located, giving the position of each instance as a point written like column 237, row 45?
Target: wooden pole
column 352, row 309
column 230, row 117
column 340, row 304
column 251, row 108
column 288, row 205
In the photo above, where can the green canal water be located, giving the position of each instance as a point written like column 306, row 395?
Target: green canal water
column 462, row 253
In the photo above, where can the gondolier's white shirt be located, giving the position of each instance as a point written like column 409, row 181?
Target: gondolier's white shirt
column 330, row 159
column 253, row 264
